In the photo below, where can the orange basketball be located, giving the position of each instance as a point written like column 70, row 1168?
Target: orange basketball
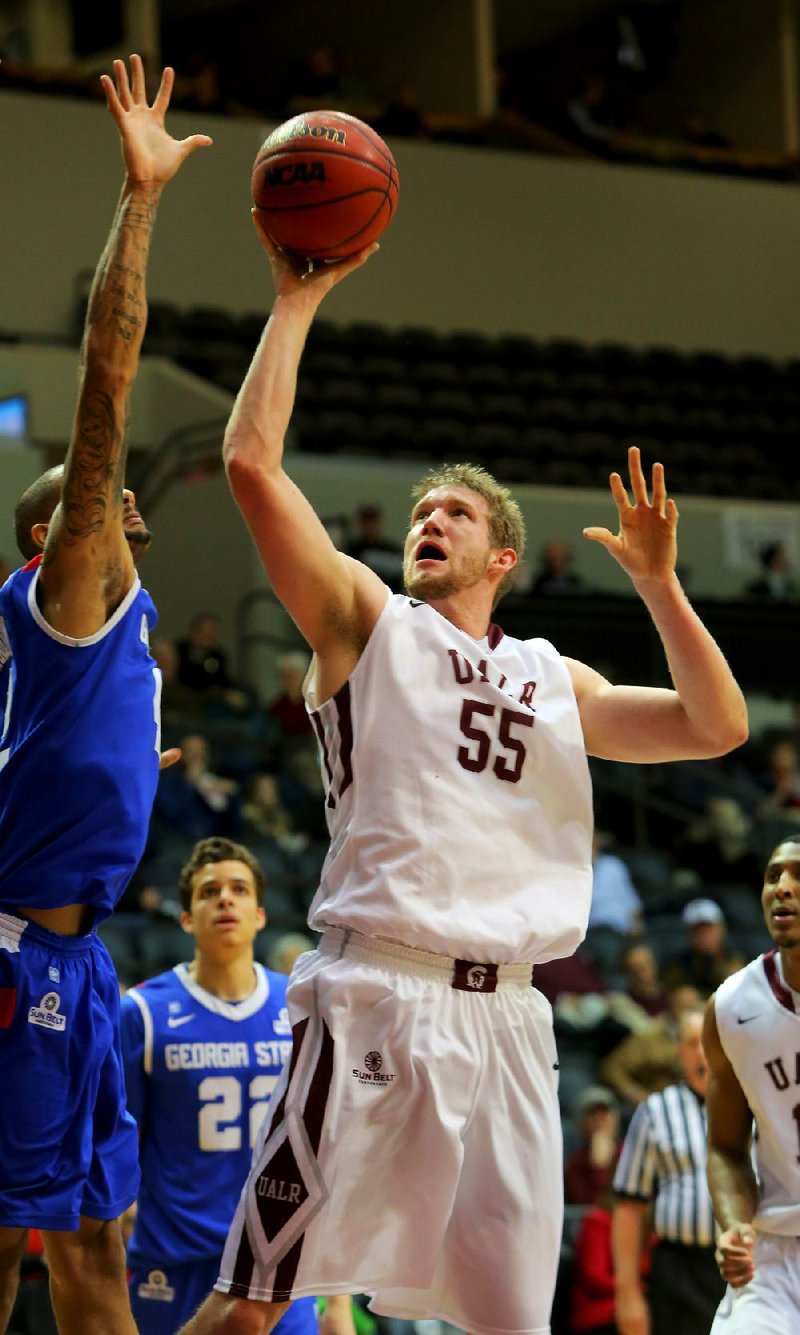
column 326, row 185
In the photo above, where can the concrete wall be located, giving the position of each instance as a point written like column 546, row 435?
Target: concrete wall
column 497, row 241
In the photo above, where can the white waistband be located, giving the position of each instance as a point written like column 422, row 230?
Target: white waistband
column 466, row 975
column 11, row 930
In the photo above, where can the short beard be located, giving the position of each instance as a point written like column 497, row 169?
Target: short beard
column 428, row 587
column 139, row 540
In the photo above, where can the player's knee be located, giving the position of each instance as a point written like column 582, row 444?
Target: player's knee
column 238, row 1316
column 12, row 1247
column 95, row 1252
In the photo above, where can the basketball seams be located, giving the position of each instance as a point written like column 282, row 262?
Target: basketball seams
column 273, row 155
column 324, row 203
column 344, row 241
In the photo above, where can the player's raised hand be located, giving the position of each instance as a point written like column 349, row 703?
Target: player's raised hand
column 290, row 274
column 734, row 1255
column 646, row 544
column 150, row 154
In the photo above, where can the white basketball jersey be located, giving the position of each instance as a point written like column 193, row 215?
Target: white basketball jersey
column 760, row 1034
column 458, row 793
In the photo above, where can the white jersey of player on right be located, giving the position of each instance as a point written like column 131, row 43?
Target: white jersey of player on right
column 458, row 793
column 760, row 1034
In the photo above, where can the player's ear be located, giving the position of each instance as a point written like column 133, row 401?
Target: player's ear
column 39, row 535
column 504, row 560
column 186, row 923
column 261, row 917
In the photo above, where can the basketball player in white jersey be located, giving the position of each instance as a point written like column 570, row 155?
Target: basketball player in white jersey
column 752, row 1042
column 413, row 1148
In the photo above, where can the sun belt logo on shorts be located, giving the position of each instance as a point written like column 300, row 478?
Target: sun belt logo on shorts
column 373, row 1074
column 156, row 1286
column 47, row 1013
column 476, row 976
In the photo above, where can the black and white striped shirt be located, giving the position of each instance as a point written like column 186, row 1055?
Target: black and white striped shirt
column 664, row 1156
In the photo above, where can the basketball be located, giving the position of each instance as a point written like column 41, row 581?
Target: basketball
column 325, row 184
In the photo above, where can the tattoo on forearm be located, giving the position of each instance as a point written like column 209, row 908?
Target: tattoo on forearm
column 92, row 486
column 115, row 326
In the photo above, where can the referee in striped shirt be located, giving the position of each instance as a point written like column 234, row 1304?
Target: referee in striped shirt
column 663, row 1164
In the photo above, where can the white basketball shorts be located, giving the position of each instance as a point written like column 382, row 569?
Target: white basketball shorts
column 412, row 1147
column 770, row 1303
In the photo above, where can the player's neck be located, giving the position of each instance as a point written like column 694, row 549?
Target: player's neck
column 790, row 966
column 231, row 979
column 464, row 610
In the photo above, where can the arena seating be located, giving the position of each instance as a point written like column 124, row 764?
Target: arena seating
column 555, row 412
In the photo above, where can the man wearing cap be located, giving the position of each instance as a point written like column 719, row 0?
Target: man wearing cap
column 589, row 1169
column 663, row 1163
column 705, row 962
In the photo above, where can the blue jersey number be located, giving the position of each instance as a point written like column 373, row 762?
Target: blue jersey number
column 221, row 1108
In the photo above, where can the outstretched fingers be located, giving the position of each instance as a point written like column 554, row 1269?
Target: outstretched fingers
column 619, row 494
column 138, row 85
column 122, row 84
column 638, row 483
column 659, row 489
column 195, row 141
column 601, row 535
column 164, row 91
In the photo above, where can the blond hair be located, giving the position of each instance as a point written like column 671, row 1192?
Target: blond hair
column 506, row 525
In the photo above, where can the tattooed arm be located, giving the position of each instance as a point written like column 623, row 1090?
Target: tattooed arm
column 87, row 567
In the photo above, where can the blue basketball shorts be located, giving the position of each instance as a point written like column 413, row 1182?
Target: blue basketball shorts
column 68, row 1145
column 164, row 1297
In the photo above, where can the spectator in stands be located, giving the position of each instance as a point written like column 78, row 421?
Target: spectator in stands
column 717, row 846
column 593, row 1281
column 615, row 902
column 198, row 83
column 155, row 906
column 776, row 581
column 782, row 780
column 315, row 81
column 263, row 814
column 6, row 568
column 589, row 117
column 705, row 961
column 401, row 117
column 288, row 707
column 176, row 698
column 192, row 799
column 696, row 131
column 643, row 983
column 646, row 1062
column 286, row 949
column 203, row 666
column 371, row 546
column 555, row 575
column 589, row 1169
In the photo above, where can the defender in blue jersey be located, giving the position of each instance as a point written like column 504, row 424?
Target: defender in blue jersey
column 79, row 760
column 203, row 1046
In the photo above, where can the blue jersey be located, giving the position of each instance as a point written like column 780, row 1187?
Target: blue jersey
column 79, row 752
column 199, row 1073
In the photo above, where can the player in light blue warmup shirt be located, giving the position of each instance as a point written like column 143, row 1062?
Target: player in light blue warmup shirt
column 203, row 1046
column 79, row 760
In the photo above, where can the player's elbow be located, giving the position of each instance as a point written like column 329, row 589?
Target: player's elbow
column 732, row 732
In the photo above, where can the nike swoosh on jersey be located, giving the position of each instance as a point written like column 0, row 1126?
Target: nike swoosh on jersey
column 175, row 1020
column 745, row 1019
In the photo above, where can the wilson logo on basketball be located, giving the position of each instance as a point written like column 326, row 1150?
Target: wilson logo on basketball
column 373, row 1061
column 294, row 173
column 329, row 132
